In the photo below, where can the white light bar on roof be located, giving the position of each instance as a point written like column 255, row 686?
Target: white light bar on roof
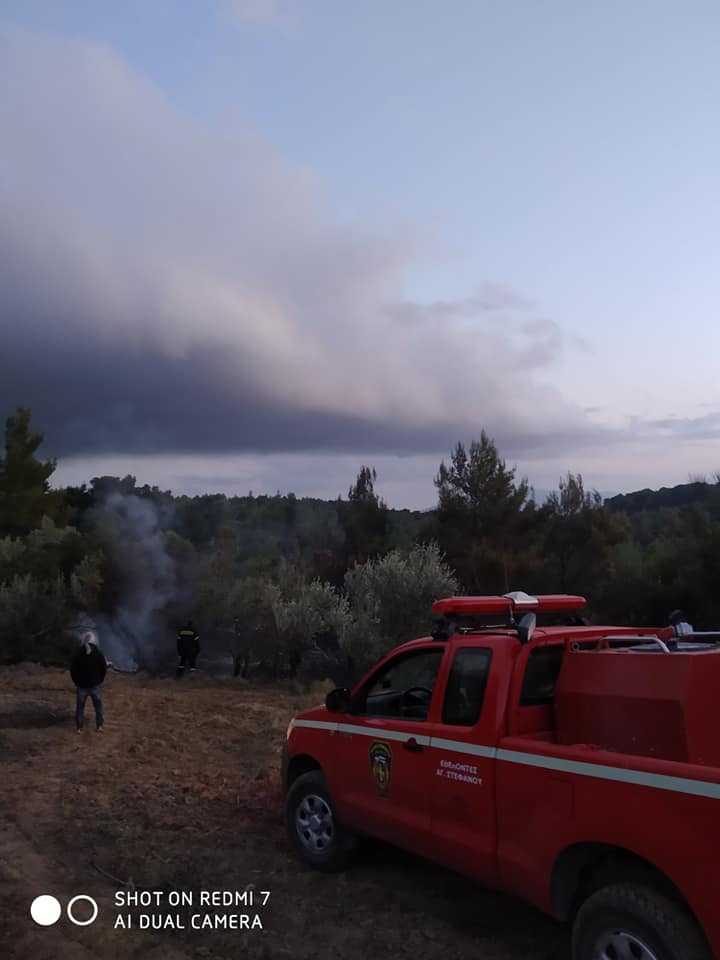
column 521, row 599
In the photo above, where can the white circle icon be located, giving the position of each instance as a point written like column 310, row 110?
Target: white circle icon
column 82, row 923
column 45, row 910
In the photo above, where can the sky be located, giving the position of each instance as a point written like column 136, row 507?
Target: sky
column 255, row 244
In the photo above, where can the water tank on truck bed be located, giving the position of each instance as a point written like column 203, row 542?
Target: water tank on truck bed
column 645, row 699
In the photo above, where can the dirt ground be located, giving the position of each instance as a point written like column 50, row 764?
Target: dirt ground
column 181, row 793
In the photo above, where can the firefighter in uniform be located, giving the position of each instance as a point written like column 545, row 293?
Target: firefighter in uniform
column 188, row 647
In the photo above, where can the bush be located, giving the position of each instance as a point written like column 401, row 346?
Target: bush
column 46, row 578
column 390, row 600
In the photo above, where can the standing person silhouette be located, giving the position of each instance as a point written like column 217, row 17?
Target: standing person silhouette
column 88, row 669
column 188, row 647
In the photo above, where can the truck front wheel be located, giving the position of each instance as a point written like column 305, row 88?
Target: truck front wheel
column 626, row 921
column 313, row 826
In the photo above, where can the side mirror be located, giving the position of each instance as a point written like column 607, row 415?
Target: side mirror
column 338, row 700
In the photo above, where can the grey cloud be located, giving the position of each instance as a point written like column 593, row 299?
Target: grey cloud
column 165, row 289
column 492, row 299
column 706, row 427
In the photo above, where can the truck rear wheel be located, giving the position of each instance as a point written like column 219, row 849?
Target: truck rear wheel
column 313, row 826
column 626, row 921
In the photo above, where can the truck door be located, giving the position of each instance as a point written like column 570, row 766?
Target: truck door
column 462, row 798
column 383, row 764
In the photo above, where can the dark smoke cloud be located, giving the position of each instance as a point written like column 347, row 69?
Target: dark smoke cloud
column 164, row 289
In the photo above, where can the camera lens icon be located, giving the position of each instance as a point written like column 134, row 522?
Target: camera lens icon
column 46, row 910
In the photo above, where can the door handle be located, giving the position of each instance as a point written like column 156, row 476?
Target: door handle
column 412, row 745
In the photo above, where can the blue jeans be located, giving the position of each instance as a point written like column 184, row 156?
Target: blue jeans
column 82, row 694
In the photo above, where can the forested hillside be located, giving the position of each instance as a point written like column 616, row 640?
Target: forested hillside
column 280, row 585
column 698, row 493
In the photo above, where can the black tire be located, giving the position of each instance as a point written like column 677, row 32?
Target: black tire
column 647, row 924
column 327, row 845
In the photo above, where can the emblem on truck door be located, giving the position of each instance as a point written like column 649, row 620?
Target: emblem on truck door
column 381, row 767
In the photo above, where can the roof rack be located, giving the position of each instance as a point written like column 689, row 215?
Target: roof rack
column 648, row 639
column 447, row 627
column 641, row 641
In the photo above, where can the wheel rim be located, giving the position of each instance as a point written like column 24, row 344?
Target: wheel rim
column 619, row 945
column 314, row 823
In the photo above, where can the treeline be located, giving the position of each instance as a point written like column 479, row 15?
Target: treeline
column 286, row 584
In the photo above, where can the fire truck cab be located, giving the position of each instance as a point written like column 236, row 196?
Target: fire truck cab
column 575, row 766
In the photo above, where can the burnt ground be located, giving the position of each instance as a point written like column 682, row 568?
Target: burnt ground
column 181, row 792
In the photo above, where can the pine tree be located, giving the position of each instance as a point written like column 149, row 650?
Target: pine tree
column 366, row 518
column 25, row 495
column 485, row 518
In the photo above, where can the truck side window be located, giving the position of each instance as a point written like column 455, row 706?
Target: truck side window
column 402, row 688
column 466, row 684
column 541, row 675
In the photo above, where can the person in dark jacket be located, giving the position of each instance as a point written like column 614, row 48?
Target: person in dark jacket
column 188, row 647
column 88, row 669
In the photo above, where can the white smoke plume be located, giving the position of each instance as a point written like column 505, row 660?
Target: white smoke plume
column 130, row 529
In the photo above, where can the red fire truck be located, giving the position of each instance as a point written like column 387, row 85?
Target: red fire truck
column 575, row 766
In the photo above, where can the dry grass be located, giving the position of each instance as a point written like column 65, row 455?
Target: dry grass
column 182, row 792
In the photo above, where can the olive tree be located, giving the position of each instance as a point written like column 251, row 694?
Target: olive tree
column 391, row 597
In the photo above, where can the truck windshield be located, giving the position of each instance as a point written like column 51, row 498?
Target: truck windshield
column 403, row 687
